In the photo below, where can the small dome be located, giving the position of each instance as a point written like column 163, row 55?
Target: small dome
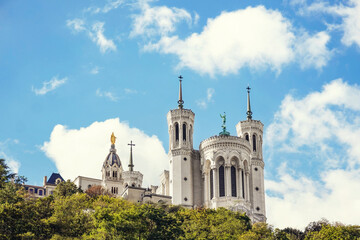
column 112, row 157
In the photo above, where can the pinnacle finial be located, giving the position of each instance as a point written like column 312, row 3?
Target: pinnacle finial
column 248, row 113
column 180, row 102
column 112, row 138
column 131, row 164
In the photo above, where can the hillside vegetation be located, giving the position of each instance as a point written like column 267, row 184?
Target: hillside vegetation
column 71, row 214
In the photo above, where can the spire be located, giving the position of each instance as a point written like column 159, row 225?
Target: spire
column 248, row 113
column 180, row 102
column 131, row 164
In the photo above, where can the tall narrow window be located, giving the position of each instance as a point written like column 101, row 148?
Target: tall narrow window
column 221, row 181
column 254, row 143
column 176, row 131
column 184, row 132
column 233, row 181
column 211, row 184
column 247, row 137
column 242, row 183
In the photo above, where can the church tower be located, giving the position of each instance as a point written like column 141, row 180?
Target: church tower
column 252, row 131
column 132, row 178
column 112, row 170
column 180, row 126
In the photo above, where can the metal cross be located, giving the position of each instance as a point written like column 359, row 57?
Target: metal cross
column 131, row 144
column 248, row 88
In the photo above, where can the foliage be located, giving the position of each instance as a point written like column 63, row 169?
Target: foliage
column 66, row 189
column 70, row 214
column 96, row 191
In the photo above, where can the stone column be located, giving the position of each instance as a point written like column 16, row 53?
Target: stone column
column 216, row 182
column 247, row 187
column 238, row 183
column 228, row 180
column 206, row 187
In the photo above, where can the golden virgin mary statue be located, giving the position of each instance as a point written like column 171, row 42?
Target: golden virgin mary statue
column 112, row 138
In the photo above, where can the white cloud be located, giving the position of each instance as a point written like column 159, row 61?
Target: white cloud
column 210, row 93
column 49, row 85
column 312, row 50
column 325, row 124
column 107, row 94
column 304, row 200
column 203, row 103
column 350, row 14
column 254, row 37
column 82, row 151
column 130, row 91
column 10, row 161
column 107, row 8
column 157, row 20
column 95, row 70
column 97, row 35
column 77, row 25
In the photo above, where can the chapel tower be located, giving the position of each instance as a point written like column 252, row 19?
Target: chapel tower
column 252, row 131
column 112, row 170
column 180, row 126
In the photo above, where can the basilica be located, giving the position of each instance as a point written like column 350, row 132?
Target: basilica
column 226, row 171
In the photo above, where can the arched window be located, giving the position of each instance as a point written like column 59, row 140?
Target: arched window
column 242, row 183
column 233, row 181
column 211, row 184
column 176, row 131
column 184, row 132
column 221, row 181
column 40, row 192
column 254, row 143
column 190, row 133
column 115, row 174
column 247, row 137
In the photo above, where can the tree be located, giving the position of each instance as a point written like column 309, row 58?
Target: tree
column 96, row 191
column 335, row 231
column 66, row 189
column 6, row 176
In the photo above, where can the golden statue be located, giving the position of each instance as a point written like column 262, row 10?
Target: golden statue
column 112, row 138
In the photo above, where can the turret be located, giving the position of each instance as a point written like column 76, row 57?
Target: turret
column 252, row 131
column 180, row 125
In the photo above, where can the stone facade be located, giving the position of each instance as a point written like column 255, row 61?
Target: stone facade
column 227, row 171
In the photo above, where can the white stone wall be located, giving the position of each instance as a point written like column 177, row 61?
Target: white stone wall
column 180, row 156
column 85, row 182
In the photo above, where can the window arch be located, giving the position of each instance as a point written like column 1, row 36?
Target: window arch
column 221, row 181
column 233, row 181
column 211, row 184
column 176, row 131
column 247, row 137
column 184, row 131
column 254, row 142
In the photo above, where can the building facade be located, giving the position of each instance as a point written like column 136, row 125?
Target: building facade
column 227, row 171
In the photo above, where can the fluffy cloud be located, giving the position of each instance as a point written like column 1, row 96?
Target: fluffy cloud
column 49, row 86
column 303, row 200
column 95, row 32
column 312, row 50
column 10, row 161
column 323, row 124
column 254, row 37
column 350, row 14
column 81, row 152
column 157, row 20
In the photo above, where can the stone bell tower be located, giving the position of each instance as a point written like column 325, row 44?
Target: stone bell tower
column 180, row 126
column 252, row 131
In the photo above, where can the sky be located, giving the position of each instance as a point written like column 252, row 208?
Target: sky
column 73, row 72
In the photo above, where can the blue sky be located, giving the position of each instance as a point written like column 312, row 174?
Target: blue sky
column 72, row 72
